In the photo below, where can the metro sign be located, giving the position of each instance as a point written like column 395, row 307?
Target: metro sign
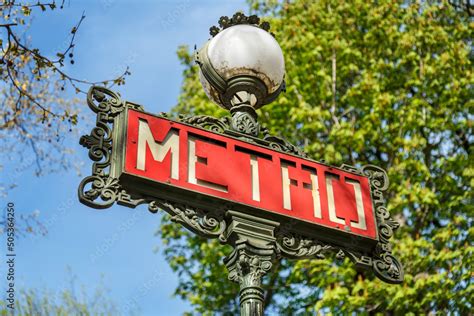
column 218, row 182
column 164, row 152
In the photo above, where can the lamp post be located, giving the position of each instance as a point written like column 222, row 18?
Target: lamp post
column 269, row 199
column 242, row 69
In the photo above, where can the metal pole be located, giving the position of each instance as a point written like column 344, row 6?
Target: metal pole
column 247, row 265
column 254, row 251
column 251, row 296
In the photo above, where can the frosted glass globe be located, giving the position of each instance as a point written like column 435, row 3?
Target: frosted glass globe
column 247, row 50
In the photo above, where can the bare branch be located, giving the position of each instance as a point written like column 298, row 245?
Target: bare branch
column 12, row 3
column 333, row 106
column 26, row 94
column 16, row 47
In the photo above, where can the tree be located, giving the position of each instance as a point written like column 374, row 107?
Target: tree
column 61, row 302
column 387, row 84
column 35, row 112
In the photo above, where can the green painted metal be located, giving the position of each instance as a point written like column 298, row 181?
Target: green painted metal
column 253, row 239
column 106, row 185
column 236, row 19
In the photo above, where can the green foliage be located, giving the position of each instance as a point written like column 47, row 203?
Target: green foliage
column 387, row 84
column 61, row 303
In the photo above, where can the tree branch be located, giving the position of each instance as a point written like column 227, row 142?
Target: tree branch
column 16, row 48
column 333, row 106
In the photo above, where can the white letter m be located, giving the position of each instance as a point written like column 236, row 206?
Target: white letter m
column 158, row 150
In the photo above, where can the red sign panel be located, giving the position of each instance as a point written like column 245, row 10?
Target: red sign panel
column 219, row 166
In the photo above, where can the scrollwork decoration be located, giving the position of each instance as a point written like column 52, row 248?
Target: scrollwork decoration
column 103, row 100
column 295, row 246
column 103, row 187
column 100, row 190
column 202, row 223
column 280, row 144
column 104, row 190
column 243, row 125
column 207, row 122
column 388, row 268
column 385, row 265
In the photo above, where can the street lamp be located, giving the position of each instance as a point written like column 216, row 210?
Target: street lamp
column 250, row 204
column 241, row 68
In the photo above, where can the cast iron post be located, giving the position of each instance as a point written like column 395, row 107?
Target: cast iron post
column 254, row 251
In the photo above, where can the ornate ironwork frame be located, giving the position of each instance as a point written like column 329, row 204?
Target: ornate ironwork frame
column 102, row 188
column 236, row 19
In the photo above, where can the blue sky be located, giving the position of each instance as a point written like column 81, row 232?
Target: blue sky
column 113, row 247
